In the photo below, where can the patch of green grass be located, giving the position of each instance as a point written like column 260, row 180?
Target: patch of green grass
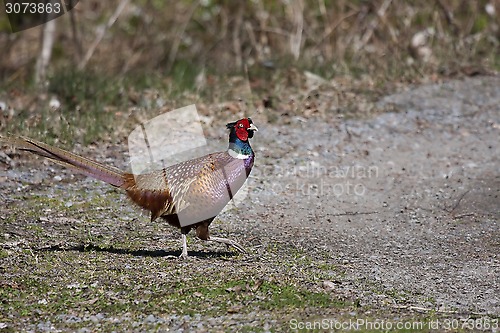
column 89, row 101
column 121, row 293
column 94, row 105
column 292, row 297
column 36, row 229
column 85, row 91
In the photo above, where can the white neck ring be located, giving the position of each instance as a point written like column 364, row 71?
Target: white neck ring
column 237, row 155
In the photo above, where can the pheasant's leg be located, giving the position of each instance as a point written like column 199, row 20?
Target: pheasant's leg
column 184, row 232
column 184, row 254
column 228, row 242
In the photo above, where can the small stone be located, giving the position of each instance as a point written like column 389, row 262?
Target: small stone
column 150, row 319
column 96, row 318
column 234, row 309
column 328, row 285
column 84, row 330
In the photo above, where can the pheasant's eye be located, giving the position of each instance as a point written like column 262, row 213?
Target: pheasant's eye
column 240, row 125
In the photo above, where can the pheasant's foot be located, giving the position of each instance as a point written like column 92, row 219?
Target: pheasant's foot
column 228, row 242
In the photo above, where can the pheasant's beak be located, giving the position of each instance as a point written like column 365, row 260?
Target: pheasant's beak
column 253, row 128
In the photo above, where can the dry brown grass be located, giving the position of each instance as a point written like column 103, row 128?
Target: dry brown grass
column 341, row 37
column 235, row 57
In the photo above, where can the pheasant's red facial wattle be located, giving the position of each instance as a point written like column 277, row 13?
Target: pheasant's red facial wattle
column 242, row 127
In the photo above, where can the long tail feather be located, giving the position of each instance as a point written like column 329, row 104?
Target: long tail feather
column 106, row 173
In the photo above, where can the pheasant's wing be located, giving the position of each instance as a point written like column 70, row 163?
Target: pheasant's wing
column 172, row 189
column 215, row 184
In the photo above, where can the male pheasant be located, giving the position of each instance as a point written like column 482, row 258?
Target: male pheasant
column 188, row 195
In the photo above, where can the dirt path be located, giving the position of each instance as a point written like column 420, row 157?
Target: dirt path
column 408, row 201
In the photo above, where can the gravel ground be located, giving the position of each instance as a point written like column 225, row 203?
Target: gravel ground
column 409, row 199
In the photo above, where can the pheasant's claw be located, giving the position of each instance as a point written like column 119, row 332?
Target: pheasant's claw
column 228, row 242
column 238, row 247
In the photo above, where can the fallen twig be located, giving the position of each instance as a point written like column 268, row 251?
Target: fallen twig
column 354, row 213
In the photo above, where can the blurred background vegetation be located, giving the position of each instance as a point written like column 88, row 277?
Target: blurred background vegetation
column 116, row 63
